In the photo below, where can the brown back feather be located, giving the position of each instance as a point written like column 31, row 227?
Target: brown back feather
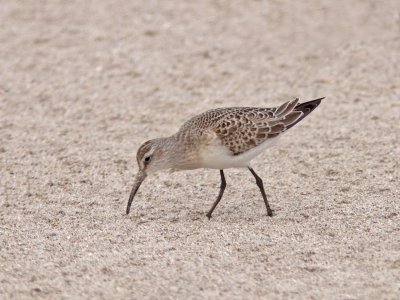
column 243, row 128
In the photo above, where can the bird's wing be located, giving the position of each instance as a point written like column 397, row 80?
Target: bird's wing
column 241, row 129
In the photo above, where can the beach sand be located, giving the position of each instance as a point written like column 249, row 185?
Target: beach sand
column 84, row 83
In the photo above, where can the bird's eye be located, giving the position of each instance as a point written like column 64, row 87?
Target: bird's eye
column 147, row 159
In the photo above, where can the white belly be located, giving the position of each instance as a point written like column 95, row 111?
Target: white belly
column 217, row 156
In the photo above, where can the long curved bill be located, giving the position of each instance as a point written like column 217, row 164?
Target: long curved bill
column 138, row 181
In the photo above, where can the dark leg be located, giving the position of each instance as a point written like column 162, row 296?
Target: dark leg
column 221, row 192
column 259, row 183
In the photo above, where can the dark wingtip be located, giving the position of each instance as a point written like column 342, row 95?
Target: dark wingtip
column 316, row 101
column 306, row 108
column 313, row 103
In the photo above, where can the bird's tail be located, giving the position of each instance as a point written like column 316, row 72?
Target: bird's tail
column 306, row 108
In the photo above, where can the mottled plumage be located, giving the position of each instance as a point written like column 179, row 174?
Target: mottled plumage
column 219, row 139
column 242, row 128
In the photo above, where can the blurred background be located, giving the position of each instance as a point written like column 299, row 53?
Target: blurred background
column 84, row 83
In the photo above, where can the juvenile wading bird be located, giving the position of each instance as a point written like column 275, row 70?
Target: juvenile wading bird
column 219, row 139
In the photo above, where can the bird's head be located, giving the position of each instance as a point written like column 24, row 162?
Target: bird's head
column 152, row 156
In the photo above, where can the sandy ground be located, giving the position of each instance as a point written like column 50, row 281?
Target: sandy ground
column 84, row 83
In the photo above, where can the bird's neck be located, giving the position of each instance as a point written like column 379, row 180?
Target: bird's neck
column 178, row 155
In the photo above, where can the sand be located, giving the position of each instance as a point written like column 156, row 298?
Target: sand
column 84, row 83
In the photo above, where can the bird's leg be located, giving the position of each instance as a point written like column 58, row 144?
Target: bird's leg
column 259, row 183
column 221, row 192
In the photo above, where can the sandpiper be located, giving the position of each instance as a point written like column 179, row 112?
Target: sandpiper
column 219, row 139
